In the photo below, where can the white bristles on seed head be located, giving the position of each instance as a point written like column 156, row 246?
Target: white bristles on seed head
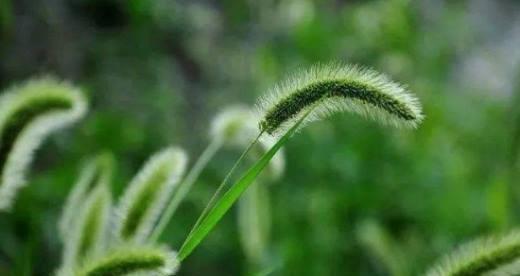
column 12, row 174
column 325, row 107
column 133, row 259
column 171, row 162
column 480, row 250
column 235, row 126
column 97, row 171
column 91, row 224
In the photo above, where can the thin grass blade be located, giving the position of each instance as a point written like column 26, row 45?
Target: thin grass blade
column 231, row 196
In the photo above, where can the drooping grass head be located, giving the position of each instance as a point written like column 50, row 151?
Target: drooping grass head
column 28, row 113
column 326, row 89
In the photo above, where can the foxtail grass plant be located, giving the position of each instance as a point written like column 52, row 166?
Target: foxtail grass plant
column 29, row 112
column 309, row 96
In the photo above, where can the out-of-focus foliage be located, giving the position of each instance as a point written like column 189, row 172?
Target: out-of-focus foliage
column 157, row 71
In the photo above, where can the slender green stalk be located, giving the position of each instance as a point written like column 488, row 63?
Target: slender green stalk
column 207, row 223
column 222, row 186
column 185, row 187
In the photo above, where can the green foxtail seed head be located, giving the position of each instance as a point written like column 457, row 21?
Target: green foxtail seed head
column 327, row 89
column 147, row 194
column 132, row 260
column 97, row 171
column 481, row 257
column 28, row 113
column 234, row 126
column 88, row 233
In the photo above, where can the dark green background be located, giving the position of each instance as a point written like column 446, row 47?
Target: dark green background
column 157, row 71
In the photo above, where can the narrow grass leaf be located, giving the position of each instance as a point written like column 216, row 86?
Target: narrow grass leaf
column 230, row 197
column 148, row 193
column 233, row 126
column 28, row 113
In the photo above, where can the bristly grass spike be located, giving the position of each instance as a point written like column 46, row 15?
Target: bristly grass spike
column 147, row 194
column 97, row 171
column 327, row 89
column 132, row 259
column 90, row 229
column 481, row 257
column 29, row 112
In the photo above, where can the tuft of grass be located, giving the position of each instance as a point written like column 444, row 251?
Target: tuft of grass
column 28, row 113
column 481, row 257
column 127, row 260
column 147, row 194
column 331, row 88
column 97, row 171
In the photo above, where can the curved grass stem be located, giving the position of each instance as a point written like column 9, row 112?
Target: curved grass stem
column 221, row 187
column 207, row 222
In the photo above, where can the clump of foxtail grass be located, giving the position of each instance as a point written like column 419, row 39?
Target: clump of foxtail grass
column 29, row 112
column 326, row 89
column 147, row 194
column 130, row 260
column 494, row 255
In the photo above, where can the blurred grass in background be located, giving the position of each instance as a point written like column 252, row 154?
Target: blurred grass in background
column 157, row 71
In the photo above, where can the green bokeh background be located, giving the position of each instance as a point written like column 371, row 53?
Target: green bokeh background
column 157, row 71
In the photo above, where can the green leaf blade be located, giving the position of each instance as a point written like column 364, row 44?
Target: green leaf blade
column 232, row 195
